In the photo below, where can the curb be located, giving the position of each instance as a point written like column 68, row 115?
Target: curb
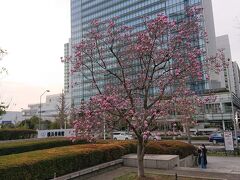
column 220, row 171
column 91, row 171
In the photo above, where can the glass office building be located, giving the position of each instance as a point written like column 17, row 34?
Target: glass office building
column 129, row 12
column 67, row 50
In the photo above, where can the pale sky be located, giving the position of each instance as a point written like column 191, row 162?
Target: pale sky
column 34, row 32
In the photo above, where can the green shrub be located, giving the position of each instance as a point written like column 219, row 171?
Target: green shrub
column 11, row 134
column 130, row 146
column 31, row 145
column 170, row 147
column 42, row 164
column 185, row 137
column 157, row 147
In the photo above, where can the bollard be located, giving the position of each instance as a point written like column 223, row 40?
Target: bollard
column 176, row 177
column 54, row 176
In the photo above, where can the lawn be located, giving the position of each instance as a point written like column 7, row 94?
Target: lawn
column 133, row 176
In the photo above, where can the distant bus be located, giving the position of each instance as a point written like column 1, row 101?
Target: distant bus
column 56, row 133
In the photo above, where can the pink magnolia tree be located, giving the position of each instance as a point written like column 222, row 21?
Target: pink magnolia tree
column 141, row 76
column 187, row 106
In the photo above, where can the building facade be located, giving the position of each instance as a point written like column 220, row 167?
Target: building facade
column 220, row 113
column 226, row 76
column 67, row 54
column 49, row 109
column 236, row 76
column 11, row 117
column 130, row 12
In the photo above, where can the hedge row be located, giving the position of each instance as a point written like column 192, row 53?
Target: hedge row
column 170, row 147
column 11, row 134
column 185, row 137
column 32, row 145
column 42, row 164
column 163, row 147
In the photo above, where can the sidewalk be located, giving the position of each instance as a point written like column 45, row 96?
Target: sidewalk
column 184, row 172
column 218, row 167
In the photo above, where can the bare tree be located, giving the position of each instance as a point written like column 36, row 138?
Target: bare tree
column 3, row 107
column 63, row 110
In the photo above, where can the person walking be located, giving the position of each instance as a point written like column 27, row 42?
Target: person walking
column 203, row 156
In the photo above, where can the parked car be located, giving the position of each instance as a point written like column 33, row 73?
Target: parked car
column 155, row 137
column 121, row 135
column 218, row 137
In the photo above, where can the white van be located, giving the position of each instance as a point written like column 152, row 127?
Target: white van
column 121, row 135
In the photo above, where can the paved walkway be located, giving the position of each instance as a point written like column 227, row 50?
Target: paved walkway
column 218, row 167
column 231, row 164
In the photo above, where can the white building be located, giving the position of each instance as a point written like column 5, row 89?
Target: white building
column 230, row 77
column 11, row 117
column 221, row 112
column 48, row 109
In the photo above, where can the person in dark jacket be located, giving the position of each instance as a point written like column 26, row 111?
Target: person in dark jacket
column 203, row 156
column 199, row 151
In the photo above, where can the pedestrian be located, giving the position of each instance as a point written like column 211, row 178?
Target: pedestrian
column 199, row 151
column 203, row 156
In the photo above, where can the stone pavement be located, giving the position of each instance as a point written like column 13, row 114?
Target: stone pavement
column 231, row 164
column 218, row 167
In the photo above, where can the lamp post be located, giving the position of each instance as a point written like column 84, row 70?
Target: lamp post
column 40, row 107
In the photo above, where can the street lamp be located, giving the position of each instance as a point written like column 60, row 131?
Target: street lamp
column 41, row 108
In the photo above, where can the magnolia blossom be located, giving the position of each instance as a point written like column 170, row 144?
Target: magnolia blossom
column 146, row 74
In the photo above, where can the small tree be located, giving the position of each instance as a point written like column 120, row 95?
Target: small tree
column 72, row 113
column 144, row 74
column 62, row 108
column 31, row 123
column 3, row 107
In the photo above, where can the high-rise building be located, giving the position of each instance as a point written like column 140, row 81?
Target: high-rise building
column 230, row 76
column 226, row 76
column 236, row 76
column 130, row 12
column 67, row 53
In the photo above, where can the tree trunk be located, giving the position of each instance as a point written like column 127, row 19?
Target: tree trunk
column 188, row 134
column 140, row 156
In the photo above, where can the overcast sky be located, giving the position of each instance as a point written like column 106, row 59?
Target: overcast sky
column 34, row 32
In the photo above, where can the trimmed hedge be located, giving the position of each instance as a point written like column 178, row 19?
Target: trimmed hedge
column 12, row 134
column 185, row 137
column 160, row 147
column 170, row 147
column 32, row 145
column 43, row 164
column 129, row 145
